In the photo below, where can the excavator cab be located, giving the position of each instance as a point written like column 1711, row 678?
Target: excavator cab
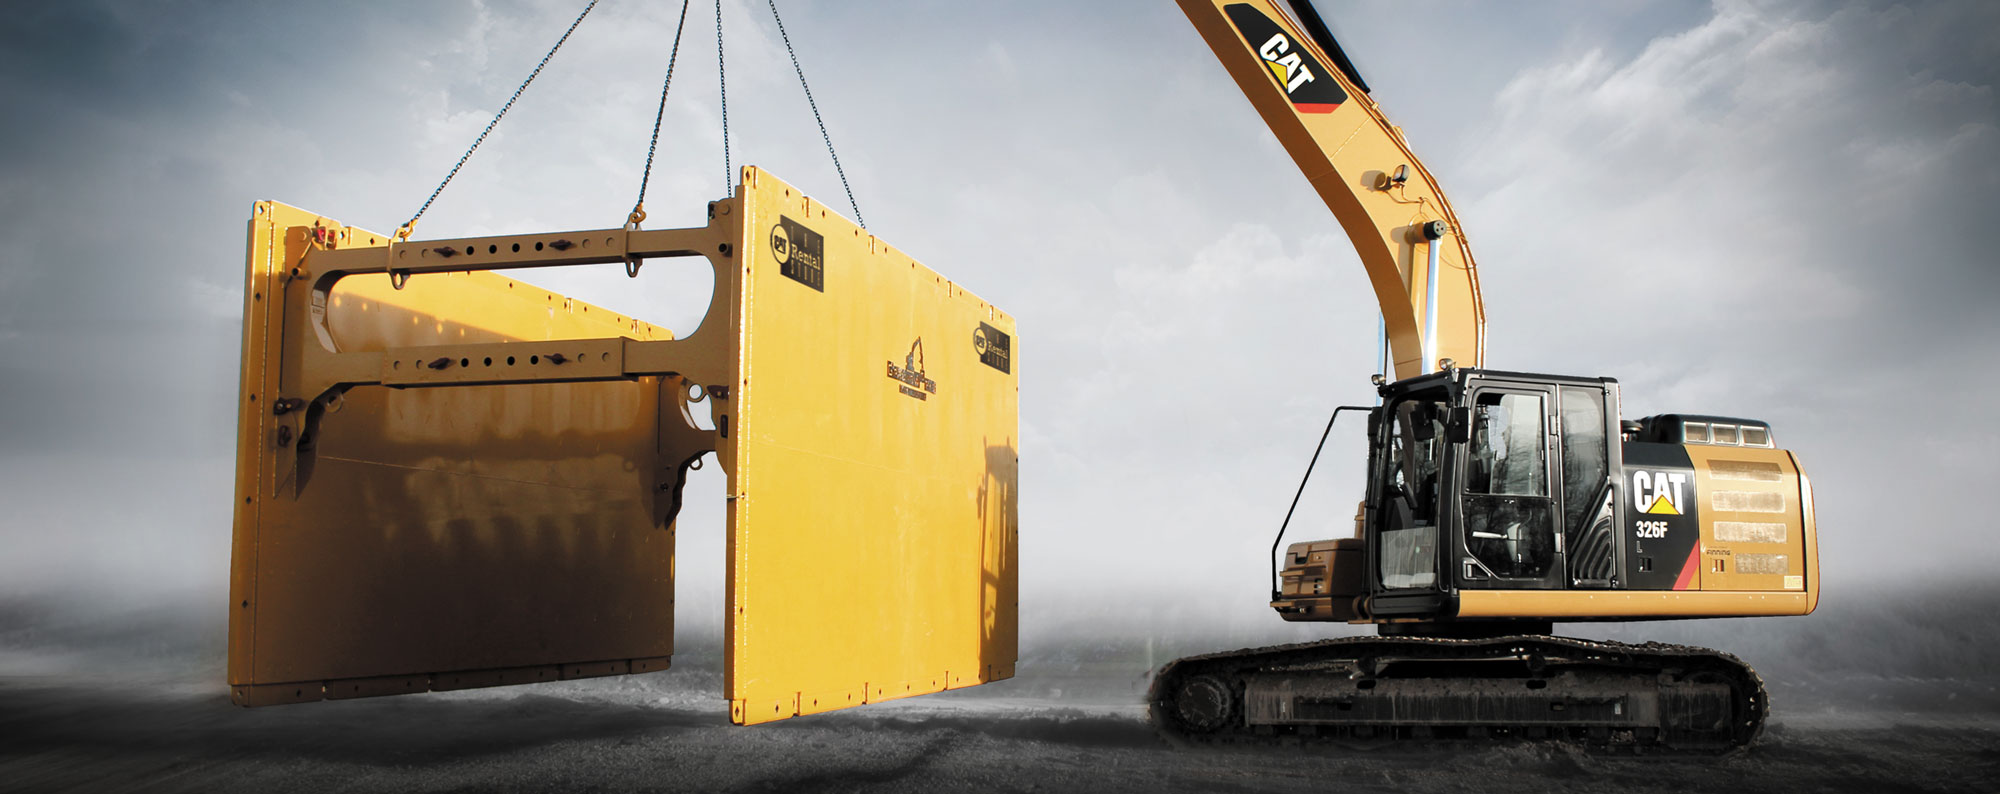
column 1498, row 502
column 1479, row 480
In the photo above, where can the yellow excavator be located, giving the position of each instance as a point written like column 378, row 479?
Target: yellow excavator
column 1496, row 503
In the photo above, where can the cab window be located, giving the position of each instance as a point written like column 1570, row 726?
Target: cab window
column 1509, row 517
column 1409, row 488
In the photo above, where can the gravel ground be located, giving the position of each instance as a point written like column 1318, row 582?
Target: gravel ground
column 668, row 732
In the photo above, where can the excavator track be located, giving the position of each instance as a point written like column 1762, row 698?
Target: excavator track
column 1372, row 692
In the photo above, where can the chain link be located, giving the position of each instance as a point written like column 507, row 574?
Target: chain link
column 722, row 80
column 816, row 117
column 403, row 232
column 639, row 206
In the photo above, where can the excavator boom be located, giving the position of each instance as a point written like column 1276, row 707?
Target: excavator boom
column 1409, row 241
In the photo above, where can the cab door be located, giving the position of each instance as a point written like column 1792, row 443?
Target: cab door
column 1508, row 510
column 1590, row 547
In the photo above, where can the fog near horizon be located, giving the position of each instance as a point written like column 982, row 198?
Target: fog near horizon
column 1765, row 210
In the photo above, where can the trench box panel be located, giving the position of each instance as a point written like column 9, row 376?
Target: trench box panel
column 444, row 537
column 872, row 539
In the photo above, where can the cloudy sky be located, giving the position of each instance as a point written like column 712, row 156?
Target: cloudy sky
column 1776, row 210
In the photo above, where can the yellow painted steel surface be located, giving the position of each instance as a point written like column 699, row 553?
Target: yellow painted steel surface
column 470, row 481
column 1754, row 528
column 1348, row 150
column 504, row 529
column 1590, row 604
column 872, row 530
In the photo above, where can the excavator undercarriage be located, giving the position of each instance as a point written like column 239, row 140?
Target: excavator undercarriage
column 1369, row 691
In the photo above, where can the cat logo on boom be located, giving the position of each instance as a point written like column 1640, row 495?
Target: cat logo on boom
column 1309, row 86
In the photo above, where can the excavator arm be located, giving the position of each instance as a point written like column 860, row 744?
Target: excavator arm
column 1409, row 241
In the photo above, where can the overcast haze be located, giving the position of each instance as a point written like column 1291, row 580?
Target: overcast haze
column 1774, row 210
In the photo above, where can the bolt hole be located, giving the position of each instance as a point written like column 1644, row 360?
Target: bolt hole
column 517, row 248
column 534, row 359
column 246, row 604
column 510, row 361
column 492, row 249
column 538, row 246
column 465, row 362
column 468, row 250
column 489, row 361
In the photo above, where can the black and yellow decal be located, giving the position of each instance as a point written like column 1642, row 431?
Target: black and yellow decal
column 994, row 347
column 1309, row 85
column 1662, row 526
column 800, row 253
column 909, row 377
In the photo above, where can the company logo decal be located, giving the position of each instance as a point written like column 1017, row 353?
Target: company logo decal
column 994, row 347
column 909, row 377
column 800, row 253
column 1310, row 86
column 1658, row 493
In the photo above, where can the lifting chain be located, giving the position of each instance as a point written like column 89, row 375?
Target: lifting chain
column 639, row 206
column 638, row 213
column 817, row 115
column 816, row 118
column 403, row 232
column 722, row 82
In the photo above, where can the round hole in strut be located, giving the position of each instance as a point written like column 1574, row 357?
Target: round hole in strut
column 465, row 362
column 489, row 361
column 534, row 359
column 510, row 361
column 492, row 249
column 538, row 245
column 517, row 248
column 468, row 250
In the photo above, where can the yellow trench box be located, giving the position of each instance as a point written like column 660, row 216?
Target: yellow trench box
column 449, row 479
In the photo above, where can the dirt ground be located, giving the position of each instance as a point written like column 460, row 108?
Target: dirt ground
column 1884, row 694
column 663, row 733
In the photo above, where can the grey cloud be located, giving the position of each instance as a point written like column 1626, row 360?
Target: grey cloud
column 1188, row 309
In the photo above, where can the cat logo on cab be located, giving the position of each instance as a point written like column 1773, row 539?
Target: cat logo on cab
column 1658, row 492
